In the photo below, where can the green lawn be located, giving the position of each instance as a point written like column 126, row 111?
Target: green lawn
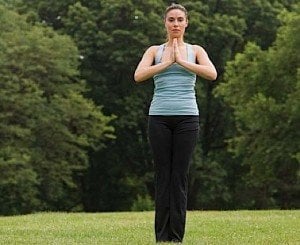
column 203, row 227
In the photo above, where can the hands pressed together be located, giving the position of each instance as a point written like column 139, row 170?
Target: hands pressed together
column 175, row 55
column 203, row 67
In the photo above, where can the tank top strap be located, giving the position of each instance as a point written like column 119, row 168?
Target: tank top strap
column 191, row 53
column 159, row 53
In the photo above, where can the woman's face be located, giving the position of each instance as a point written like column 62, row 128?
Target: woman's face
column 175, row 23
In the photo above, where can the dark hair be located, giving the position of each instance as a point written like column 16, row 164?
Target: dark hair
column 176, row 6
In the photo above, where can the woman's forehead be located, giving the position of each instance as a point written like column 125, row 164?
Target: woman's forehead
column 175, row 13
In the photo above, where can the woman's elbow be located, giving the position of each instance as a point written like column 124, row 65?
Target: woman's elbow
column 137, row 78
column 210, row 76
column 140, row 77
column 214, row 76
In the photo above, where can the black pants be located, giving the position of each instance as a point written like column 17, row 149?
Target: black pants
column 172, row 139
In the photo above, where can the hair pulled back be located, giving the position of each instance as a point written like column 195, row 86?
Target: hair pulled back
column 175, row 6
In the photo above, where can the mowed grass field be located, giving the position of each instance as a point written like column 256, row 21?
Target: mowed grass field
column 203, row 227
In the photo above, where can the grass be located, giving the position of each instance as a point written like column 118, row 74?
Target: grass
column 203, row 227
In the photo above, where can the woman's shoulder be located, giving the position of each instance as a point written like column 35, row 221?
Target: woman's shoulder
column 197, row 47
column 153, row 49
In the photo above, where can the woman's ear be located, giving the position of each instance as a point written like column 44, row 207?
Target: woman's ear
column 187, row 23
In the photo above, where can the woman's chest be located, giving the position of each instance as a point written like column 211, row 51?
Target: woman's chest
column 169, row 53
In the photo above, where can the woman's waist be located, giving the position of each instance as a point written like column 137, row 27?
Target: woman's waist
column 174, row 94
column 167, row 106
column 176, row 101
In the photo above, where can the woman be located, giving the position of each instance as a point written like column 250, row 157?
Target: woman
column 173, row 119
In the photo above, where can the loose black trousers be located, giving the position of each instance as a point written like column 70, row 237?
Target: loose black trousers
column 172, row 139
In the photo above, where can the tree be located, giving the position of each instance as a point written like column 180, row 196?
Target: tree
column 261, row 87
column 47, row 127
column 111, row 37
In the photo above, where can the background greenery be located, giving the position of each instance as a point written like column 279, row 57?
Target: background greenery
column 73, row 124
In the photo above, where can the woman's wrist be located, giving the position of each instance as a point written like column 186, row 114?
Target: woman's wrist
column 168, row 63
column 181, row 62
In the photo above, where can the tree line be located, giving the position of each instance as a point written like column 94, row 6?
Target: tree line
column 73, row 124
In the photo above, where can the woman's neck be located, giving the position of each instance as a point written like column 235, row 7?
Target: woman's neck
column 179, row 41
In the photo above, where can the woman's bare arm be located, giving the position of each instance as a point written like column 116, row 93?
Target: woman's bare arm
column 203, row 68
column 146, row 69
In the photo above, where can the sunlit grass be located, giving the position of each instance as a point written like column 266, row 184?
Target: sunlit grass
column 203, row 227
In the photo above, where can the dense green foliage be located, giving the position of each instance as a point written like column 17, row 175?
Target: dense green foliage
column 46, row 125
column 70, row 55
column 263, row 89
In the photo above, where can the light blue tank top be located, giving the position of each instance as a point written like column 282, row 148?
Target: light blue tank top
column 174, row 88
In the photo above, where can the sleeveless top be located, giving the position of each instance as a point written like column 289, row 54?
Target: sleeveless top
column 174, row 88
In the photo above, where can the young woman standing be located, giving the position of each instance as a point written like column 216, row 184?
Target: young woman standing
column 173, row 119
